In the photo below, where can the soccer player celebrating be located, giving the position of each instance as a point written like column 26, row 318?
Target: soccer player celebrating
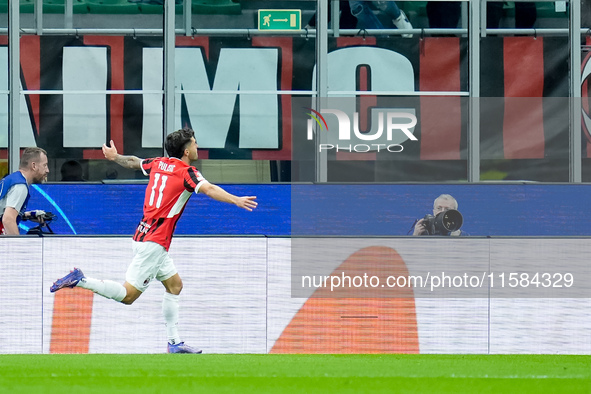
column 172, row 182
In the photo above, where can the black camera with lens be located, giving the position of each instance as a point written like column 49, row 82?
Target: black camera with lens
column 444, row 223
column 47, row 217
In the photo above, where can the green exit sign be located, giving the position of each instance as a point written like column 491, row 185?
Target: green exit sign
column 280, row 19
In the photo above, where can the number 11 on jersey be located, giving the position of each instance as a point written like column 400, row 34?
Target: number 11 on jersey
column 160, row 190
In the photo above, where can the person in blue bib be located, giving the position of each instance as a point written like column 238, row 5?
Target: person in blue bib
column 14, row 190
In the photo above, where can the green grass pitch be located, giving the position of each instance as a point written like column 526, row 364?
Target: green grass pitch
column 246, row 373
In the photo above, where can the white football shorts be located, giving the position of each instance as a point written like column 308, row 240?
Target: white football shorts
column 150, row 260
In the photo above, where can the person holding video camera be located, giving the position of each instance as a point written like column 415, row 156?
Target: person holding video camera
column 446, row 219
column 14, row 191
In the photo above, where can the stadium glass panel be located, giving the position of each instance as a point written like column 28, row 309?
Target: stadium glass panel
column 235, row 84
column 4, row 136
column 92, row 14
column 524, row 115
column 74, row 114
column 4, row 101
column 83, row 90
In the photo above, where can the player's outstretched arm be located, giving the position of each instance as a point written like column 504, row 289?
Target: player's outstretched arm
column 219, row 194
column 110, row 153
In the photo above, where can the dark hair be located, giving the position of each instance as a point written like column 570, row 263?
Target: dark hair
column 176, row 142
column 29, row 155
column 72, row 171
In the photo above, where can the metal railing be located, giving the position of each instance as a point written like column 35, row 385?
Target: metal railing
column 475, row 18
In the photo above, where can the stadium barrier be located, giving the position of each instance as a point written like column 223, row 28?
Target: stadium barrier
column 238, row 296
column 326, row 209
column 127, row 6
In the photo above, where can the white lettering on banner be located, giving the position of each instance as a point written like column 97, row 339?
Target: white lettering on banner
column 390, row 71
column 586, row 118
column 211, row 115
column 244, row 69
column 152, row 72
column 85, row 115
column 27, row 138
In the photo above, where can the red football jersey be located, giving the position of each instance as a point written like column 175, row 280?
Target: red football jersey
column 172, row 182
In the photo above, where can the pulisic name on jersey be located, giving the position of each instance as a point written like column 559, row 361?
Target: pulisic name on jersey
column 166, row 167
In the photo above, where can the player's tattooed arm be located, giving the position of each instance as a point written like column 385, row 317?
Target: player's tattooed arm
column 128, row 161
column 110, row 153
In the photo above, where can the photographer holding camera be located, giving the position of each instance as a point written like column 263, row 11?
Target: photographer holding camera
column 14, row 191
column 446, row 219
